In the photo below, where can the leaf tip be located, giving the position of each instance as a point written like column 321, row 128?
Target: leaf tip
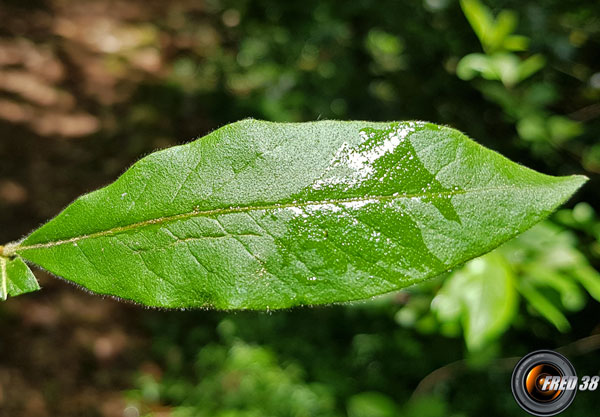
column 572, row 183
column 562, row 188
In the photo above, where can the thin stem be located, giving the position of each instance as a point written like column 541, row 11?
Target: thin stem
column 3, row 277
column 449, row 371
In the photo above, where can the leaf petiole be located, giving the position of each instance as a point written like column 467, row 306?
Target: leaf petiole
column 9, row 250
column 3, row 277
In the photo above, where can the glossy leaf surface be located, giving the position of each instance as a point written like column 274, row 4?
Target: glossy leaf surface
column 266, row 215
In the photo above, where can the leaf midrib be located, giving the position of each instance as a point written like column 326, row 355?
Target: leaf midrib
column 242, row 209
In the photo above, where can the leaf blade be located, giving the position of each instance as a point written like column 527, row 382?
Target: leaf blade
column 266, row 215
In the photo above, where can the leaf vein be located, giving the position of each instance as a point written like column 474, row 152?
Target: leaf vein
column 246, row 209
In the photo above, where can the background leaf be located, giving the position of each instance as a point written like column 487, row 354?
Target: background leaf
column 482, row 296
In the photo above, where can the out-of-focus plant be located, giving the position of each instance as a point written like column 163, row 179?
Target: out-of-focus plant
column 233, row 377
column 239, row 380
column 543, row 267
column 499, row 62
column 583, row 218
column 506, row 66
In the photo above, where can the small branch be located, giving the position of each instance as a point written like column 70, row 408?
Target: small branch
column 587, row 113
column 451, row 370
column 581, row 346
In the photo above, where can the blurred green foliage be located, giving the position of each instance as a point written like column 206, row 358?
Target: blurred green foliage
column 241, row 380
column 525, row 104
column 543, row 266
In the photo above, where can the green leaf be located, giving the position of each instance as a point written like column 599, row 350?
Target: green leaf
column 472, row 64
column 503, row 67
column 371, row 404
column 516, row 43
column 590, row 279
column 541, row 275
column 482, row 295
column 562, row 129
column 260, row 215
column 505, row 24
column 530, row 66
column 495, row 34
column 544, row 306
column 480, row 18
column 15, row 278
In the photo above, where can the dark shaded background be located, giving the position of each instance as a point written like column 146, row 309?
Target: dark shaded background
column 88, row 87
